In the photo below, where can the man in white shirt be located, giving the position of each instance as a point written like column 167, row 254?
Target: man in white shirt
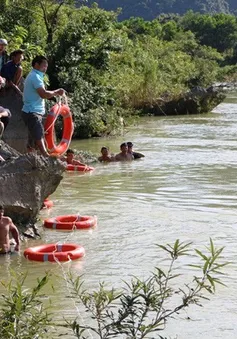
column 3, row 54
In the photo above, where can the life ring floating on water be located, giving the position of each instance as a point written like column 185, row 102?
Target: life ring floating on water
column 65, row 112
column 54, row 252
column 79, row 168
column 47, row 203
column 70, row 222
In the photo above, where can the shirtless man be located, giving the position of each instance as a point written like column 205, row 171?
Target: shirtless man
column 7, row 226
column 69, row 159
column 124, row 155
column 105, row 155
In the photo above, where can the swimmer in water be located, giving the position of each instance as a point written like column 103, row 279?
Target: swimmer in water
column 136, row 155
column 7, row 227
column 105, row 155
column 69, row 159
column 124, row 155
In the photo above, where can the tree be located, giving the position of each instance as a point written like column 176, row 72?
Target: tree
column 218, row 31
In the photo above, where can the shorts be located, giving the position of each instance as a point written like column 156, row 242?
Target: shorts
column 35, row 127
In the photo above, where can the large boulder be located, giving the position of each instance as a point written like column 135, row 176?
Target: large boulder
column 25, row 181
column 196, row 101
column 16, row 132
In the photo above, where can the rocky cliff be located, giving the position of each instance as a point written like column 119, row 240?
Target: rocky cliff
column 15, row 134
column 25, row 181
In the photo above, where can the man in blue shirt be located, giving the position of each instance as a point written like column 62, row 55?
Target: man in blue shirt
column 34, row 106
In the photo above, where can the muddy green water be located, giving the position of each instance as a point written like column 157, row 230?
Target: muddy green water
column 184, row 188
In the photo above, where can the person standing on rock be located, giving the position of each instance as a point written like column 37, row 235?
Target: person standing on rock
column 7, row 227
column 33, row 109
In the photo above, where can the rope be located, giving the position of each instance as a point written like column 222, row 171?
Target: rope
column 56, row 116
column 64, row 272
column 60, row 99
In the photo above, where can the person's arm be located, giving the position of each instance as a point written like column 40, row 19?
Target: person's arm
column 44, row 94
column 18, row 76
column 15, row 234
column 78, row 163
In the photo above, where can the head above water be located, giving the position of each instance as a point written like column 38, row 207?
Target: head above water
column 69, row 155
column 130, row 146
column 17, row 56
column 40, row 63
column 69, row 151
column 104, row 150
column 124, row 147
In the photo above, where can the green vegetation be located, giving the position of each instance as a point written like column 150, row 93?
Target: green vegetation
column 137, row 310
column 150, row 9
column 114, row 70
column 22, row 313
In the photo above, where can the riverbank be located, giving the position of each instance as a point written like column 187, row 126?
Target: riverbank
column 114, row 70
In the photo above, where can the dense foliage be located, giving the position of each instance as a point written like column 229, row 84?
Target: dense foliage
column 150, row 9
column 111, row 69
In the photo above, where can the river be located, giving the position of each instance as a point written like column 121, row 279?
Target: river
column 184, row 188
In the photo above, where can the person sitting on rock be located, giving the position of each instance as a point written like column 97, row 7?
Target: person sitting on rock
column 3, row 53
column 136, row 155
column 12, row 70
column 5, row 115
column 124, row 155
column 7, row 227
column 69, row 159
column 105, row 155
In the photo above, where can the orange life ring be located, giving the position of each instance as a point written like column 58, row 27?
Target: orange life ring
column 47, row 203
column 79, row 168
column 54, row 252
column 65, row 112
column 69, row 222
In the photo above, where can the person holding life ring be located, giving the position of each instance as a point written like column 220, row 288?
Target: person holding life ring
column 34, row 107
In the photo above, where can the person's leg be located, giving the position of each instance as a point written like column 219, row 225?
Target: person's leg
column 41, row 146
column 1, row 129
column 37, row 131
column 30, row 142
